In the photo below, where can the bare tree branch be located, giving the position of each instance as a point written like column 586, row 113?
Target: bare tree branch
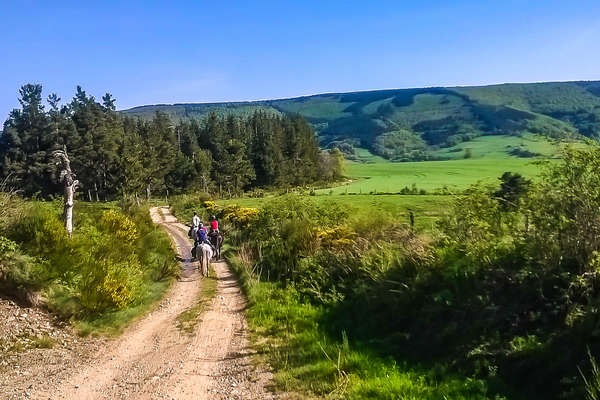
column 71, row 184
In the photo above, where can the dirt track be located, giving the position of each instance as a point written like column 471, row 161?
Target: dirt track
column 154, row 360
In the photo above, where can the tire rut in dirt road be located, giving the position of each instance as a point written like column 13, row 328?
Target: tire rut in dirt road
column 154, row 360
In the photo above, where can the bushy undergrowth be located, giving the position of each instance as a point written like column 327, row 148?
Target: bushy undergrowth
column 293, row 337
column 511, row 290
column 18, row 272
column 298, row 262
column 11, row 206
column 506, row 292
column 111, row 263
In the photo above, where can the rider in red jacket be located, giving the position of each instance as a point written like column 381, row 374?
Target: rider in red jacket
column 214, row 224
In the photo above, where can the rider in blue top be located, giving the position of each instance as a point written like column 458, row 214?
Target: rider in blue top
column 202, row 236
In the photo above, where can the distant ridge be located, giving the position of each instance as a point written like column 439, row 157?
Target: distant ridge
column 439, row 116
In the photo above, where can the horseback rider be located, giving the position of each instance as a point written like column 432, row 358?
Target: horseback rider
column 194, row 228
column 214, row 228
column 214, row 224
column 201, row 235
column 195, row 220
column 215, row 235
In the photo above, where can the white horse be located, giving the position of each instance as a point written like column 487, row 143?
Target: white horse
column 204, row 253
column 194, row 232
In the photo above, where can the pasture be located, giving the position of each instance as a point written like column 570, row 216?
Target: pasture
column 489, row 158
column 454, row 175
column 373, row 185
column 503, row 147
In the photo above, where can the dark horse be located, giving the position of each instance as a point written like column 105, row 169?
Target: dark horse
column 216, row 239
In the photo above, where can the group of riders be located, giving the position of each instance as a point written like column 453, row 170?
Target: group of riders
column 203, row 234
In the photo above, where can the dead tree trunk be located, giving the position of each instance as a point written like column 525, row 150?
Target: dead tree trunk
column 68, row 178
column 204, row 183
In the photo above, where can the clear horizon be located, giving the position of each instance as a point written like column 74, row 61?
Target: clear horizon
column 197, row 52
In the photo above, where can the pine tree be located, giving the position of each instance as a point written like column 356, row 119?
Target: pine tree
column 27, row 143
column 114, row 154
column 265, row 155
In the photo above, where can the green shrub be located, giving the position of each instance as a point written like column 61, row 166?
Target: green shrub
column 109, row 271
column 7, row 246
column 40, row 231
column 157, row 256
column 20, row 274
column 185, row 205
column 17, row 271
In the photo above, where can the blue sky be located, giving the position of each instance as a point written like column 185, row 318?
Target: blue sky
column 150, row 52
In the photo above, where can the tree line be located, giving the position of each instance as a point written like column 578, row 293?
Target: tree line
column 114, row 155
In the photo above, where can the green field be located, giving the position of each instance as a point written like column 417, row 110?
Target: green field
column 455, row 175
column 373, row 184
column 500, row 147
column 490, row 157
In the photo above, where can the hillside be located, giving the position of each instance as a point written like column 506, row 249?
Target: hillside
column 409, row 124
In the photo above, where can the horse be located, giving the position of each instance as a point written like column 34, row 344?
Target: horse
column 216, row 239
column 203, row 254
column 192, row 232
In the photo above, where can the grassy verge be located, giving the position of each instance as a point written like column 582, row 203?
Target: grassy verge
column 292, row 337
column 187, row 321
column 114, row 322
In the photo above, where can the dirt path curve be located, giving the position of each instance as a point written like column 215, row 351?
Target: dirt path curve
column 154, row 360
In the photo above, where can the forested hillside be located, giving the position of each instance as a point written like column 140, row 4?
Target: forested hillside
column 403, row 124
column 119, row 155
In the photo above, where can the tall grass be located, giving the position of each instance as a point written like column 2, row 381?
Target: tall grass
column 592, row 383
column 11, row 205
column 293, row 337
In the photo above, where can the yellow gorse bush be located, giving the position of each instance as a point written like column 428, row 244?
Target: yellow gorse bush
column 240, row 216
column 120, row 225
column 210, row 205
column 121, row 292
column 339, row 236
column 109, row 284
